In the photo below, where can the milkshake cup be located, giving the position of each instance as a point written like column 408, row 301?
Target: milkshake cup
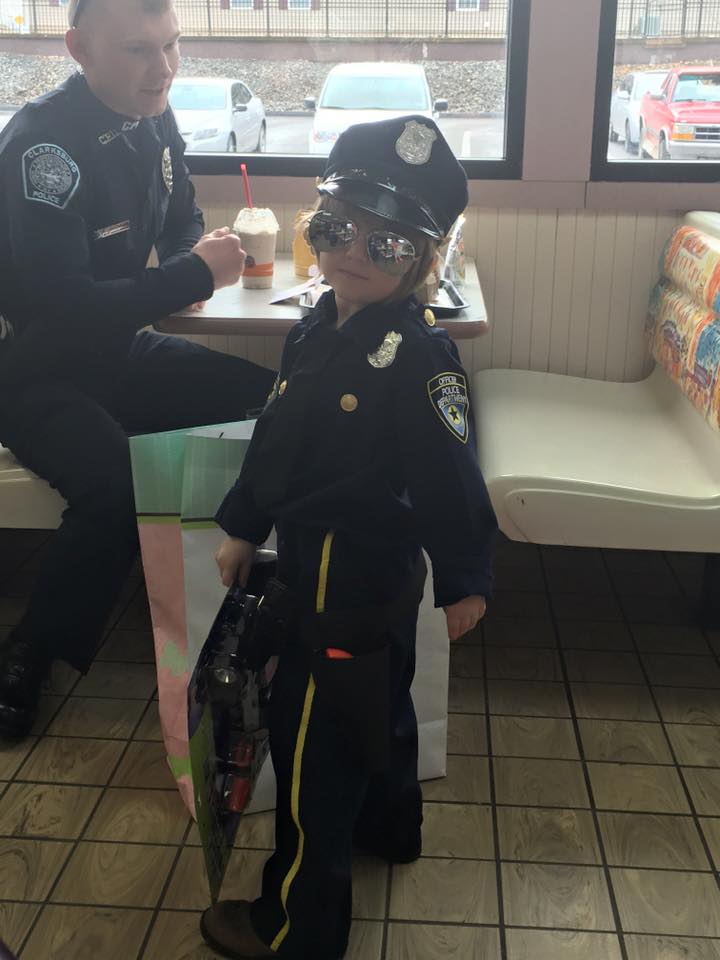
column 257, row 229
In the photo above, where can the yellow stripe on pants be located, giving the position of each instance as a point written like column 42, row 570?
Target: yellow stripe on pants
column 299, row 747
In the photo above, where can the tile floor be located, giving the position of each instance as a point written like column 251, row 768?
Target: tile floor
column 580, row 819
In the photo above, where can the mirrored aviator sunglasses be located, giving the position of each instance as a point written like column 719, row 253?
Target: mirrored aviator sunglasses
column 388, row 251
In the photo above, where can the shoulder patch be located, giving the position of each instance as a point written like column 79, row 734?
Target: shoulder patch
column 50, row 175
column 449, row 398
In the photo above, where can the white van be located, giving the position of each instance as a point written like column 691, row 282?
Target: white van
column 364, row 92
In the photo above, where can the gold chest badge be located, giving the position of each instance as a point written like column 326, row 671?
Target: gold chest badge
column 167, row 170
column 386, row 352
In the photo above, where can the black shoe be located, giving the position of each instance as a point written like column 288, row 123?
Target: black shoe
column 405, row 850
column 22, row 672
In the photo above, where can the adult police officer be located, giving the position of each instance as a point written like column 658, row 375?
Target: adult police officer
column 93, row 178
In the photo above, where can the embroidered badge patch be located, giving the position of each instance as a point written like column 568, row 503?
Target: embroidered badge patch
column 50, row 175
column 449, row 397
column 167, row 170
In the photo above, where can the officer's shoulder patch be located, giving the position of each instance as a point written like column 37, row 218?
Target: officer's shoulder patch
column 449, row 398
column 50, row 175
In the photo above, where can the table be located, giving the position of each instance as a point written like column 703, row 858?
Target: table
column 234, row 310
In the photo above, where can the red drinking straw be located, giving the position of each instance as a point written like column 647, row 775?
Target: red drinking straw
column 246, row 185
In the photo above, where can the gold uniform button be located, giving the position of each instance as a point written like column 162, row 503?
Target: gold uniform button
column 349, row 402
column 282, row 388
column 430, row 318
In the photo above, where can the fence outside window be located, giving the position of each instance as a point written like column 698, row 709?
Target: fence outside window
column 366, row 19
column 668, row 19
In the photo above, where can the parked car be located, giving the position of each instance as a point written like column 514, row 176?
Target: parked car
column 682, row 121
column 218, row 115
column 364, row 92
column 625, row 105
column 5, row 118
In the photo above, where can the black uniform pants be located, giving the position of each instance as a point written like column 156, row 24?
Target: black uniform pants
column 325, row 797
column 74, row 434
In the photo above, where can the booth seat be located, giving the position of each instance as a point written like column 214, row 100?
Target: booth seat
column 592, row 463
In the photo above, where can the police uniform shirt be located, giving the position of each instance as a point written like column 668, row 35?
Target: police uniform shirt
column 368, row 431
column 87, row 193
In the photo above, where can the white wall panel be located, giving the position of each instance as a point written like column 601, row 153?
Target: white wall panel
column 566, row 290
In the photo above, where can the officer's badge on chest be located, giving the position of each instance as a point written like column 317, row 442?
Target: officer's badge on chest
column 449, row 397
column 387, row 351
column 167, row 170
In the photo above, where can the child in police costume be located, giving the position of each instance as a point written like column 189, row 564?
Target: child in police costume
column 363, row 455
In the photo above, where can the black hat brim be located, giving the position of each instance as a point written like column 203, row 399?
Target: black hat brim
column 383, row 201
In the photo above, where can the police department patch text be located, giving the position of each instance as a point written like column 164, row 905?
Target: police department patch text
column 50, row 175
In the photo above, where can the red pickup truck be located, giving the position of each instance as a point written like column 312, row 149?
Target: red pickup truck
column 682, row 122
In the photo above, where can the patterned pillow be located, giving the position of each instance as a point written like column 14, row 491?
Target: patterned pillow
column 684, row 318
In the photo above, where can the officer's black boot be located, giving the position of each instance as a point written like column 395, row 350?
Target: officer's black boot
column 22, row 671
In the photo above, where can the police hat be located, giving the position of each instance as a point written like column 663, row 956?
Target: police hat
column 401, row 170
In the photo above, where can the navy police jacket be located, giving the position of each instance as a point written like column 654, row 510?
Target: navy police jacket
column 87, row 193
column 369, row 432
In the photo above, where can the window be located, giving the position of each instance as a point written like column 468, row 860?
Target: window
column 186, row 95
column 657, row 113
column 241, row 94
column 462, row 62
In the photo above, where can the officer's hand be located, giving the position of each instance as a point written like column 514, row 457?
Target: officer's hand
column 234, row 559
column 224, row 256
column 220, row 232
column 200, row 305
column 464, row 615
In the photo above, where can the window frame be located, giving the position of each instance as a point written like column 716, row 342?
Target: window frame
column 509, row 168
column 649, row 171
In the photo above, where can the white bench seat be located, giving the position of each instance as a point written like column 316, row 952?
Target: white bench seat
column 596, row 463
column 26, row 501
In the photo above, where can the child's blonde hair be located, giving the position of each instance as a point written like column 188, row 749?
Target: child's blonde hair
column 425, row 247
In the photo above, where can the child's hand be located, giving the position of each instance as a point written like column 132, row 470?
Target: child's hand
column 234, row 559
column 464, row 615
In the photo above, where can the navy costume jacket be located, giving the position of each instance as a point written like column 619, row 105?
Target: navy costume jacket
column 87, row 193
column 368, row 432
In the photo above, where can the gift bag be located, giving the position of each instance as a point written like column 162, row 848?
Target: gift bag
column 180, row 477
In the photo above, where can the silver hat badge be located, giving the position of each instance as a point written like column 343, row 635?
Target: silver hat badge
column 385, row 353
column 415, row 143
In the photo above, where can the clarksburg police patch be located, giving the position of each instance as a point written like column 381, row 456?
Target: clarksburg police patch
column 50, row 175
column 449, row 397
column 167, row 170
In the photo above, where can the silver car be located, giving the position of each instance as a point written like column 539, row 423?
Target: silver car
column 625, row 105
column 218, row 115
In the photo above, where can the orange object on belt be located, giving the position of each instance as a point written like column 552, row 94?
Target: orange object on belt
column 333, row 653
